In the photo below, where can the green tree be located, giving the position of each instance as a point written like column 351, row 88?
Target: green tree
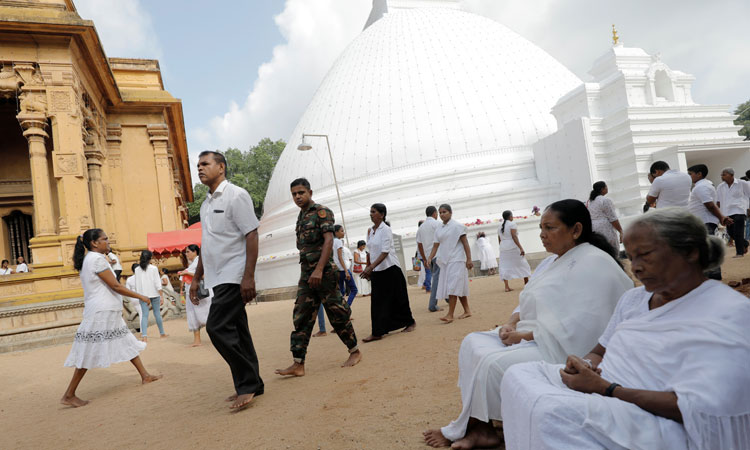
column 250, row 170
column 743, row 118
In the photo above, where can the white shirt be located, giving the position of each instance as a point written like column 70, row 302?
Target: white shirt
column 348, row 257
column 733, row 198
column 147, row 282
column 426, row 235
column 381, row 241
column 115, row 265
column 703, row 192
column 7, row 271
column 22, row 268
column 633, row 303
column 672, row 188
column 448, row 235
column 338, row 244
column 97, row 296
column 506, row 236
column 227, row 216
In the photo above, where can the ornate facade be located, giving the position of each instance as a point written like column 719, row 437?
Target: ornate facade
column 85, row 141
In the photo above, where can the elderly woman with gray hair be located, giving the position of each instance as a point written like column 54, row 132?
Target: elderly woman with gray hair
column 669, row 371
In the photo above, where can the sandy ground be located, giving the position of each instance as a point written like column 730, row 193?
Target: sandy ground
column 405, row 384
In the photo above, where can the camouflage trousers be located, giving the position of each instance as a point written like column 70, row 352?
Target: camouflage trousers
column 306, row 310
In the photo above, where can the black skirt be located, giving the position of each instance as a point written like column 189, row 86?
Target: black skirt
column 389, row 303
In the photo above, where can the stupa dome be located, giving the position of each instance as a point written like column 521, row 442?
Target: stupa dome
column 425, row 106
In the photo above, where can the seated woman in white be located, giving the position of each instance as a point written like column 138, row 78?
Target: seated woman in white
column 563, row 310
column 671, row 371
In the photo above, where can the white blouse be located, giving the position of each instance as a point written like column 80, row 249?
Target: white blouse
column 147, row 282
column 97, row 296
column 380, row 241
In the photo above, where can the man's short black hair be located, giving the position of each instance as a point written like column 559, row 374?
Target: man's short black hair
column 747, row 173
column 699, row 168
column 218, row 157
column 301, row 182
column 658, row 165
column 430, row 211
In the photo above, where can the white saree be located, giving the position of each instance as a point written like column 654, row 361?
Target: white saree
column 567, row 306
column 697, row 346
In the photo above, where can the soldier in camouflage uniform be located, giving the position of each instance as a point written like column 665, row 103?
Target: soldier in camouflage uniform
column 318, row 281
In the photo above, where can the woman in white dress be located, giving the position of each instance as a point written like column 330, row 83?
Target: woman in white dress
column 360, row 261
column 103, row 337
column 486, row 254
column 513, row 262
column 562, row 311
column 5, row 268
column 197, row 315
column 454, row 259
column 603, row 216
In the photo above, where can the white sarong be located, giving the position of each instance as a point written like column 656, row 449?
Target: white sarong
column 566, row 308
column 451, row 257
column 697, row 346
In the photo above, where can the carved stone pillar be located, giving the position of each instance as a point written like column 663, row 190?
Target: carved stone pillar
column 159, row 137
column 116, row 217
column 94, row 158
column 34, row 129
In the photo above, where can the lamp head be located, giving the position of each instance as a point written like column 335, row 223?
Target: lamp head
column 304, row 145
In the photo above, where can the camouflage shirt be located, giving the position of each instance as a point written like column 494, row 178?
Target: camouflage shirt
column 312, row 224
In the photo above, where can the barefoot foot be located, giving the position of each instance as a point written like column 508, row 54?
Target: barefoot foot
column 151, row 378
column 295, row 370
column 508, row 289
column 447, row 319
column 434, row 438
column 73, row 401
column 464, row 315
column 371, row 338
column 320, row 334
column 196, row 344
column 483, row 435
column 354, row 358
column 231, row 398
column 409, row 328
column 242, row 401
column 164, row 335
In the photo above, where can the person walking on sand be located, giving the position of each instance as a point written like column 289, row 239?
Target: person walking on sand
column 318, row 282
column 230, row 251
column 102, row 338
column 425, row 240
column 148, row 283
column 197, row 314
column 513, row 262
column 451, row 248
column 389, row 305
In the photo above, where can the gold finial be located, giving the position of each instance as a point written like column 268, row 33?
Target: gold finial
column 615, row 38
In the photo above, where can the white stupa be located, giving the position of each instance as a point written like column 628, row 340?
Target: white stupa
column 431, row 105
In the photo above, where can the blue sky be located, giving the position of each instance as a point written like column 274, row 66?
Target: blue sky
column 246, row 69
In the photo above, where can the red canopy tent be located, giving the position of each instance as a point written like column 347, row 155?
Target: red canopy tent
column 168, row 242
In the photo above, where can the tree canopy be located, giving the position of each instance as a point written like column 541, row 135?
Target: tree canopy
column 743, row 113
column 250, row 170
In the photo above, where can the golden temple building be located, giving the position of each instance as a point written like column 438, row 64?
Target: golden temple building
column 85, row 141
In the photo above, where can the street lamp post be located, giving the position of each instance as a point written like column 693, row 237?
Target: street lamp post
column 304, row 146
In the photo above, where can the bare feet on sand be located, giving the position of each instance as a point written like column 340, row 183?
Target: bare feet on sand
column 242, row 401
column 295, row 370
column 151, row 378
column 410, row 328
column 231, row 398
column 508, row 289
column 483, row 435
column 196, row 344
column 447, row 319
column 354, row 359
column 435, row 310
column 464, row 315
column 73, row 401
column 434, row 438
column 320, row 334
column 371, row 338
column 164, row 335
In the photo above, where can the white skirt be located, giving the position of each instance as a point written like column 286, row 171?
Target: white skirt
column 454, row 280
column 197, row 315
column 487, row 259
column 513, row 265
column 103, row 339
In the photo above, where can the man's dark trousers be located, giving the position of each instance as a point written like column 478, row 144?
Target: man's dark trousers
column 737, row 231
column 714, row 274
column 230, row 335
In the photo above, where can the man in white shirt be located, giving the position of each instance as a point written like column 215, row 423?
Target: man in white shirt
column 229, row 251
column 669, row 188
column 425, row 241
column 21, row 267
column 702, row 204
column 114, row 261
column 732, row 196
